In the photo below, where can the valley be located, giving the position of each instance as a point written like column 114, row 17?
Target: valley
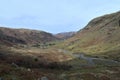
column 92, row 53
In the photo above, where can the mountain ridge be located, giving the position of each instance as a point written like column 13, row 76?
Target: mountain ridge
column 65, row 35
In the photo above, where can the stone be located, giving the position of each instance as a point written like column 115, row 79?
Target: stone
column 44, row 78
column 1, row 78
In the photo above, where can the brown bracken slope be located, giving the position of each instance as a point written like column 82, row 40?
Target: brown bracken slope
column 24, row 36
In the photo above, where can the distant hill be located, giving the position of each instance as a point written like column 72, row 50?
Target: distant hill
column 24, row 36
column 65, row 35
column 100, row 36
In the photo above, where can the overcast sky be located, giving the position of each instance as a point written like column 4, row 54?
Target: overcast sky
column 53, row 15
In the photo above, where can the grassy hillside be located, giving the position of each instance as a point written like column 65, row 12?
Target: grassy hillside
column 100, row 36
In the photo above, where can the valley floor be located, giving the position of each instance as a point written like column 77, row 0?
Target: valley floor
column 54, row 64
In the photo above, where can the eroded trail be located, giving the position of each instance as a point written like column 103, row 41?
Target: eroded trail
column 93, row 61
